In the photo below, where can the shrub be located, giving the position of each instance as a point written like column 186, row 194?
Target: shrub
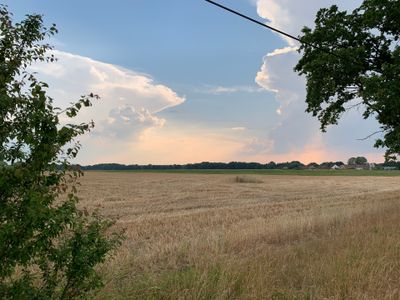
column 48, row 247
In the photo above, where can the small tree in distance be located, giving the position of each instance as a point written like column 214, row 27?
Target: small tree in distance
column 359, row 160
column 48, row 247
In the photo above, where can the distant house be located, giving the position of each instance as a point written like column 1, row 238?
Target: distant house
column 335, row 167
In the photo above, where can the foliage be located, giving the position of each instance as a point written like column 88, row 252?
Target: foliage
column 359, row 160
column 351, row 161
column 312, row 165
column 295, row 165
column 353, row 60
column 48, row 247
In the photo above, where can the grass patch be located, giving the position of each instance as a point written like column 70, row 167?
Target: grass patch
column 188, row 283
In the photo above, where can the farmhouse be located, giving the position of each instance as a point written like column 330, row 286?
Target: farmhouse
column 337, row 167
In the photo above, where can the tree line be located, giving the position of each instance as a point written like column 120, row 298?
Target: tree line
column 293, row 165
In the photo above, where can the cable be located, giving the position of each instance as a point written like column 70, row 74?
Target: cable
column 255, row 21
column 274, row 29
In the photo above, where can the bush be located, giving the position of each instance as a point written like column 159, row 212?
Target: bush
column 48, row 247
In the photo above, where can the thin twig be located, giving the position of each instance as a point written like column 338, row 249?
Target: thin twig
column 354, row 105
column 372, row 134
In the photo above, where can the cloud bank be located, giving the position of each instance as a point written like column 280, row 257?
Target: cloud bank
column 129, row 103
column 297, row 132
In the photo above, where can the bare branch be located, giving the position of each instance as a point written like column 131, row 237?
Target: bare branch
column 372, row 134
column 354, row 105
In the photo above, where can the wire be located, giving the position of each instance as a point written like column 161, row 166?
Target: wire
column 274, row 29
column 255, row 21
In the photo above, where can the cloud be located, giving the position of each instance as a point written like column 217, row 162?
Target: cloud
column 257, row 146
column 135, row 122
column 280, row 51
column 131, row 123
column 238, row 128
column 276, row 74
column 130, row 101
column 165, row 145
column 129, row 127
column 297, row 134
column 218, row 90
column 126, row 122
column 292, row 15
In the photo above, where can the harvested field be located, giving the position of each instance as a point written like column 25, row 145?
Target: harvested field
column 202, row 236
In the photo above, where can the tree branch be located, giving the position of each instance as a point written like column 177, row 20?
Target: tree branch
column 354, row 105
column 372, row 134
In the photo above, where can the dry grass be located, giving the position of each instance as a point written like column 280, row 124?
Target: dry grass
column 206, row 237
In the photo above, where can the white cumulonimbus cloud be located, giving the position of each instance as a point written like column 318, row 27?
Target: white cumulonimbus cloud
column 297, row 131
column 129, row 101
column 137, row 121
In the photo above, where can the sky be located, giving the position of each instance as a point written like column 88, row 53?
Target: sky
column 184, row 81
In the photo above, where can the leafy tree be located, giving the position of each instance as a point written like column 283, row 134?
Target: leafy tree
column 48, row 247
column 361, row 160
column 313, row 165
column 352, row 161
column 295, row 165
column 353, row 59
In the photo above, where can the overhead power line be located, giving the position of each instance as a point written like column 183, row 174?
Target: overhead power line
column 276, row 30
column 255, row 21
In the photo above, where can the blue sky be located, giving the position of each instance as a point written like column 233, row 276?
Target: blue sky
column 183, row 81
column 162, row 38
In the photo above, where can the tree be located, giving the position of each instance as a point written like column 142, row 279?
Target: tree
column 352, row 161
column 295, row 165
column 361, row 160
column 48, row 247
column 353, row 60
column 313, row 165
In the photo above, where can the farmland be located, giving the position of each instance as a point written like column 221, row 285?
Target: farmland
column 252, row 236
